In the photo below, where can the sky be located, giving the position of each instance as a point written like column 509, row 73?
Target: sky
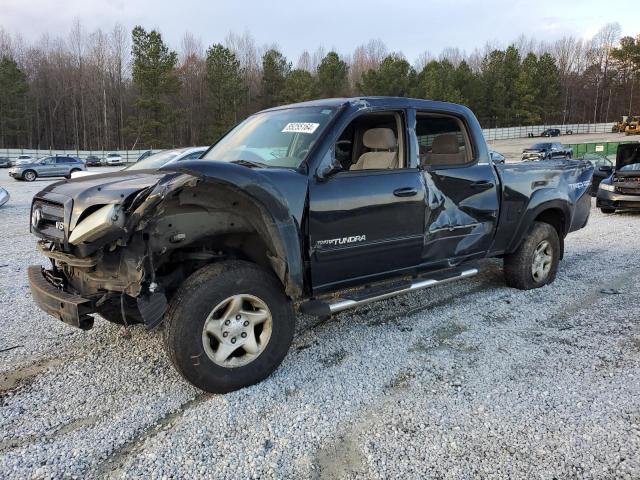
column 409, row 26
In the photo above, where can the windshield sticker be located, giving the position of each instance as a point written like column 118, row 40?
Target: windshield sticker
column 300, row 127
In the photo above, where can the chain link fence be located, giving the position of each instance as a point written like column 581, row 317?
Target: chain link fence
column 536, row 130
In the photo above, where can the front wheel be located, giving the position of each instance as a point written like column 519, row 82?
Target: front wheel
column 228, row 326
column 29, row 175
column 535, row 263
column 608, row 211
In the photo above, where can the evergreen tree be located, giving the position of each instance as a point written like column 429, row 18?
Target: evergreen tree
column 154, row 75
column 333, row 76
column 226, row 89
column 510, row 73
column 548, row 80
column 468, row 84
column 437, row 82
column 492, row 109
column 300, row 86
column 394, row 77
column 13, row 93
column 275, row 70
column 527, row 88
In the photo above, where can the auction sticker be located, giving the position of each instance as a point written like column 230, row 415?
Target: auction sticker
column 300, row 127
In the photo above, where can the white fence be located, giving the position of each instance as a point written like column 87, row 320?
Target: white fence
column 128, row 156
column 536, row 130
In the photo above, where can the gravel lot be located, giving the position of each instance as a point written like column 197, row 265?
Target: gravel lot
column 470, row 379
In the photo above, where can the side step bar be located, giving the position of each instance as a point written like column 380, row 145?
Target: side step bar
column 325, row 308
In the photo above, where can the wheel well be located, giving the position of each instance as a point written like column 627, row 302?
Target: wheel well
column 554, row 217
column 203, row 225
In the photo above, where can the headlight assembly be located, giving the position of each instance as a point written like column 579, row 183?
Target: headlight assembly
column 96, row 224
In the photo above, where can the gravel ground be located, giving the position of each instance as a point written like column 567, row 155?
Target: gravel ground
column 471, row 379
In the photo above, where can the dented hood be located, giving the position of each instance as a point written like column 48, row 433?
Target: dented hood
column 103, row 189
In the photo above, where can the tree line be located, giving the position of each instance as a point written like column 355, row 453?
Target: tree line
column 131, row 90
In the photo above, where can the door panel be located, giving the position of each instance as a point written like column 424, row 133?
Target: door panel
column 462, row 212
column 364, row 225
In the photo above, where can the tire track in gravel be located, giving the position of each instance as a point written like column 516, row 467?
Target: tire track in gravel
column 115, row 461
column 486, row 280
column 472, row 295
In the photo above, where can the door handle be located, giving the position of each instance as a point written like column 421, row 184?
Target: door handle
column 482, row 184
column 405, row 192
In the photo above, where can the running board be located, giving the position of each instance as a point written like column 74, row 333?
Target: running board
column 326, row 308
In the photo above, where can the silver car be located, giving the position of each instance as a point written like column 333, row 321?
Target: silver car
column 54, row 166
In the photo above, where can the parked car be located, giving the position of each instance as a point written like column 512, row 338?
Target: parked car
column 4, row 196
column 271, row 218
column 113, row 159
column 598, row 160
column 54, row 166
column 145, row 155
column 544, row 151
column 551, row 132
column 22, row 160
column 497, row 157
column 621, row 189
column 166, row 157
column 5, row 162
column 157, row 160
column 92, row 161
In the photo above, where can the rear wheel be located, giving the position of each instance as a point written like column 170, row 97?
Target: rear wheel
column 608, row 211
column 73, row 170
column 535, row 263
column 228, row 326
column 29, row 175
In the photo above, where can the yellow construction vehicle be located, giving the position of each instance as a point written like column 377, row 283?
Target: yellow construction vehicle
column 633, row 126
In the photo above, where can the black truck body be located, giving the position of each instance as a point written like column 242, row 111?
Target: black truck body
column 321, row 226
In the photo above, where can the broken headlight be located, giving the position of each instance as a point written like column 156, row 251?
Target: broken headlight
column 97, row 224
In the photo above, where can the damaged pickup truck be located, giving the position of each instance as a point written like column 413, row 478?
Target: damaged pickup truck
column 320, row 207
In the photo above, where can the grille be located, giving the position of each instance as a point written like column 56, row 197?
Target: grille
column 628, row 186
column 48, row 222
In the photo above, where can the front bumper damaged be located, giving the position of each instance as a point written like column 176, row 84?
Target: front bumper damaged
column 66, row 306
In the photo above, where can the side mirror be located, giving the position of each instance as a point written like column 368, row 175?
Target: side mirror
column 606, row 169
column 328, row 167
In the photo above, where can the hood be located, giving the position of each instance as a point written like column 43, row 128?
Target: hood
column 628, row 154
column 101, row 189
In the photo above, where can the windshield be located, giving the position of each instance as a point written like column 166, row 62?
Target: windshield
column 634, row 167
column 155, row 161
column 281, row 138
column 541, row 145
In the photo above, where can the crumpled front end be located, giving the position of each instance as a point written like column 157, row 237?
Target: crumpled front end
column 83, row 227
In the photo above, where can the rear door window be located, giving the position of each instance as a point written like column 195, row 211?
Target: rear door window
column 443, row 141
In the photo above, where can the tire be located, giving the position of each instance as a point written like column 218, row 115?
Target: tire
column 608, row 211
column 111, row 311
column 29, row 175
column 519, row 266
column 206, row 299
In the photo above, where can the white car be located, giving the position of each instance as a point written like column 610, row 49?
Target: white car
column 113, row 159
column 157, row 160
column 22, row 160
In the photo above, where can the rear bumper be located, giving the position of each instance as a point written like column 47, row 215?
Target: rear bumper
column 68, row 307
column 607, row 199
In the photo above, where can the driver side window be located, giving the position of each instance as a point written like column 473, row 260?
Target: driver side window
column 372, row 141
